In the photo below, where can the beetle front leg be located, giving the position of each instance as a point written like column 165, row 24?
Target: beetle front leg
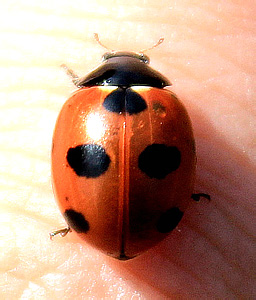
column 72, row 74
column 62, row 232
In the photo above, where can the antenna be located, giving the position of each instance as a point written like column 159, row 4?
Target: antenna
column 96, row 36
column 159, row 42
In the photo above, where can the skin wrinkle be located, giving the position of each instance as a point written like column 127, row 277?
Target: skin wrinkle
column 216, row 246
column 182, row 266
column 200, row 278
column 240, row 225
column 224, row 180
column 209, row 239
column 181, row 292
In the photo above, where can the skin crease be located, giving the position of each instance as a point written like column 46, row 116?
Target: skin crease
column 209, row 56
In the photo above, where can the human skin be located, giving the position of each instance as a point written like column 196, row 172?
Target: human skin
column 209, row 56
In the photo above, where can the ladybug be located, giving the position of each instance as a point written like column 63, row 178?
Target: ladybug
column 123, row 157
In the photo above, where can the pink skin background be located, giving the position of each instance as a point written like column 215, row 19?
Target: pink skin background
column 209, row 55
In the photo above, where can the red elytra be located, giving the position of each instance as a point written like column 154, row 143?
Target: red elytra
column 123, row 157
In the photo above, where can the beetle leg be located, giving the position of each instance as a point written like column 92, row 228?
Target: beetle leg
column 62, row 232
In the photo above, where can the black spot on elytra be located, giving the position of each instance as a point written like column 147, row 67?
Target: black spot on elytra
column 76, row 221
column 158, row 160
column 89, row 160
column 169, row 220
column 124, row 100
column 134, row 102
